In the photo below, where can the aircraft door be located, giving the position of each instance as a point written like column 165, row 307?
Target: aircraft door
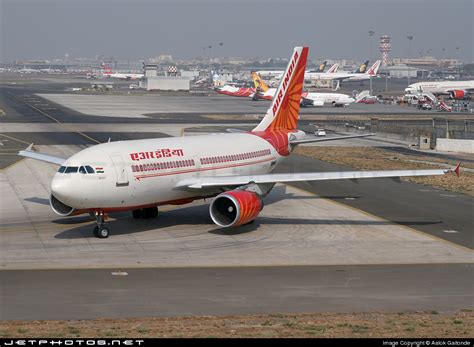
column 120, row 170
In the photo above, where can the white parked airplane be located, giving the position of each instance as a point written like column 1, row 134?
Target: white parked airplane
column 123, row 76
column 278, row 73
column 307, row 99
column 235, row 168
column 345, row 76
column 455, row 89
column 28, row 70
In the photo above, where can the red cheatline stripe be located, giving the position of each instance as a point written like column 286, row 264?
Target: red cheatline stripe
column 203, row 169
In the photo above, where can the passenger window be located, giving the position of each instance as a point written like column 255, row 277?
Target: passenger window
column 71, row 169
column 82, row 170
column 62, row 169
column 89, row 169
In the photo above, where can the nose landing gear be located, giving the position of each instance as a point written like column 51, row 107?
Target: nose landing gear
column 100, row 230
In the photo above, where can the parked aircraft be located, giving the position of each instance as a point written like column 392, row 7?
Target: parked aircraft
column 455, row 89
column 28, row 70
column 278, row 73
column 345, row 76
column 308, row 98
column 123, row 76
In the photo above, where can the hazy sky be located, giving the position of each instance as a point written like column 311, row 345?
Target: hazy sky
column 33, row 29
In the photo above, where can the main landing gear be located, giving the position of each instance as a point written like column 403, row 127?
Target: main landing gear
column 100, row 230
column 149, row 212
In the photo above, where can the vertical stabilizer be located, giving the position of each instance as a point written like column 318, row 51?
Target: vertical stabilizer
column 283, row 114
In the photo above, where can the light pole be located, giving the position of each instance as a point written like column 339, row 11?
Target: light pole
column 371, row 33
column 458, row 62
column 410, row 38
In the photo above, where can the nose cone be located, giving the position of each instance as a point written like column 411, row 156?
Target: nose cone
column 350, row 100
column 60, row 188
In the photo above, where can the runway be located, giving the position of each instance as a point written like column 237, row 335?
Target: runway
column 87, row 294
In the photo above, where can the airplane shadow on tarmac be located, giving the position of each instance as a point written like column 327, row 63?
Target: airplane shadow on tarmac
column 123, row 223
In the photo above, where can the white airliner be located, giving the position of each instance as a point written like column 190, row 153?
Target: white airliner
column 307, row 99
column 235, row 168
column 123, row 76
column 278, row 73
column 28, row 70
column 455, row 89
column 345, row 76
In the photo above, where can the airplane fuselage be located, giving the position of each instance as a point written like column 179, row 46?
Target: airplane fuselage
column 319, row 99
column 124, row 76
column 441, row 87
column 134, row 174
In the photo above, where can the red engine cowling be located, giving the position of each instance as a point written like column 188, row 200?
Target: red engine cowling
column 235, row 208
column 458, row 94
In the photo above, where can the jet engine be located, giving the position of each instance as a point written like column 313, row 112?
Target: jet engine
column 458, row 94
column 235, row 207
column 61, row 208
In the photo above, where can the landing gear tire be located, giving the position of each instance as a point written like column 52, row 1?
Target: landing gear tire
column 103, row 233
column 100, row 230
column 137, row 214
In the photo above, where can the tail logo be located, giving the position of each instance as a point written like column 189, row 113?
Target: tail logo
column 285, row 83
column 283, row 114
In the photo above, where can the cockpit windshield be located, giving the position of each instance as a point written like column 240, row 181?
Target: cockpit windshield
column 71, row 169
column 84, row 169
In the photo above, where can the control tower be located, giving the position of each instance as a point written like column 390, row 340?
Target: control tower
column 384, row 48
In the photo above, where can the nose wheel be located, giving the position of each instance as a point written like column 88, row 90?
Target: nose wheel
column 100, row 230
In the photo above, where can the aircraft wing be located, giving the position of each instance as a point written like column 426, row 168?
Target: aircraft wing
column 29, row 153
column 225, row 181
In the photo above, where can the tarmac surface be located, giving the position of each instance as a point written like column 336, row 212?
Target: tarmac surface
column 294, row 228
column 87, row 294
column 140, row 106
column 333, row 246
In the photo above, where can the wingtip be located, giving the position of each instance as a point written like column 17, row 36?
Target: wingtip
column 27, row 149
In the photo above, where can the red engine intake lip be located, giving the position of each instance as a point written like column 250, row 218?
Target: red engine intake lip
column 226, row 208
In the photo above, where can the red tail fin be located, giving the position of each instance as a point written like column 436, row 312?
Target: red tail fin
column 284, row 111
